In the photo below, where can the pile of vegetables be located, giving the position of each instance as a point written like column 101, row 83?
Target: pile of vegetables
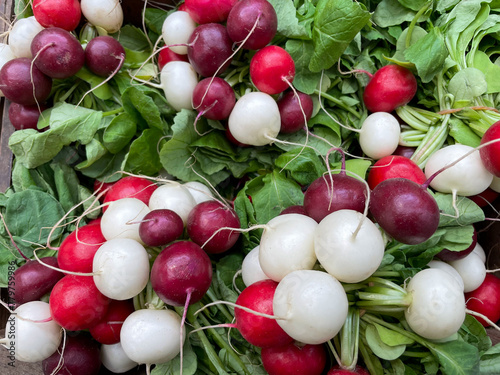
column 252, row 186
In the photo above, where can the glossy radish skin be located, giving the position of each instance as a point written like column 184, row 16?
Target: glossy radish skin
column 472, row 270
column 379, row 135
column 272, row 70
column 490, row 155
column 205, row 11
column 115, row 360
column 104, row 55
column 446, row 267
column 131, row 187
column 199, row 191
column 405, row 210
column 178, row 80
column 394, row 166
column 21, row 35
column 295, row 110
column 448, row 256
column 251, row 271
column 214, row 98
column 294, row 358
column 257, row 330
column 65, row 14
column 486, row 299
column 107, row 14
column 205, row 219
column 181, row 269
column 242, row 18
column 166, row 55
column 358, row 370
column 123, row 218
column 210, row 49
column 390, row 87
column 107, row 331
column 25, row 116
column 21, row 83
column 330, row 193
column 295, row 209
column 160, row 227
column 176, row 31
column 175, row 197
column 57, row 53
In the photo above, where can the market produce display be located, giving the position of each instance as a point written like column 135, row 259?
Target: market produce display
column 251, row 186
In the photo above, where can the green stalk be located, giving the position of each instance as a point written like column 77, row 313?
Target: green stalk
column 339, row 103
column 222, row 308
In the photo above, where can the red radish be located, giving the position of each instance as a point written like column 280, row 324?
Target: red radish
column 181, row 274
column 484, row 198
column 490, row 155
column 22, row 82
column 107, row 331
column 210, row 49
column 448, row 256
column 272, row 70
column 294, row 358
column 65, row 14
column 160, row 227
column 205, row 11
column 33, row 280
column 390, row 87
column 57, row 53
column 166, row 55
column 295, row 110
column 76, row 303
column 486, row 299
column 214, row 98
column 394, row 166
column 131, row 187
column 104, row 55
column 25, row 116
column 257, row 330
column 100, row 187
column 242, row 21
column 80, row 356
column 208, row 218
column 358, row 370
column 77, row 250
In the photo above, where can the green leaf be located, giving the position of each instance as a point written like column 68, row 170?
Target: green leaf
column 467, row 84
column 490, row 70
column 380, row 348
column 301, row 52
column 99, row 88
column 143, row 156
column 391, row 13
column 133, row 38
column 303, row 164
column 490, row 361
column 119, row 133
column 336, row 23
column 469, row 212
column 463, row 134
column 141, row 106
column 189, row 363
column 288, row 23
column 456, row 357
column 391, row 337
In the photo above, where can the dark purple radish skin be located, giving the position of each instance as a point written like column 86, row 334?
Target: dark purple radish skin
column 57, row 53
column 448, row 255
column 296, row 209
column 205, row 221
column 81, row 356
column 210, row 49
column 295, row 111
column 25, row 116
column 160, row 227
column 214, row 98
column 33, row 280
column 22, row 82
column 404, row 151
column 255, row 19
column 104, row 55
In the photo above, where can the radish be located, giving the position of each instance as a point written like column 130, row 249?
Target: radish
column 486, row 197
column 295, row 110
column 214, row 98
column 210, row 49
column 490, row 155
column 107, row 331
column 448, row 268
column 176, row 30
column 348, row 245
column 175, row 197
column 178, row 81
column 6, row 54
column 255, row 119
column 495, row 184
column 160, row 227
column 255, row 17
column 467, row 177
column 21, row 35
column 286, row 245
column 81, row 355
column 213, row 226
column 76, row 303
column 312, row 305
column 31, row 334
column 379, row 135
column 479, row 251
column 166, row 55
column 123, row 218
column 107, row 14
column 447, row 255
column 65, row 14
column 390, row 87
column 25, row 116
column 272, row 70
column 104, row 55
column 121, row 268
column 485, row 299
column 205, row 11
column 151, row 336
column 294, row 209
column 294, row 358
column 251, row 271
column 115, row 360
column 358, row 370
column 394, row 166
column 130, row 187
column 472, row 270
column 199, row 191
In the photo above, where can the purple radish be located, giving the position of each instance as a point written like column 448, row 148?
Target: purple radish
column 104, row 55
column 214, row 98
column 295, row 111
column 25, row 116
column 160, row 227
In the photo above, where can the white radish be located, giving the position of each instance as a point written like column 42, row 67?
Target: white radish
column 472, row 270
column 467, row 177
column 178, row 80
column 30, row 333
column 121, row 267
column 176, row 29
column 313, row 305
column 6, row 54
column 200, row 192
column 251, row 271
column 286, row 245
column 479, row 251
column 446, row 267
column 255, row 119
column 21, row 35
column 495, row 184
column 175, row 197
column 151, row 336
column 107, row 14
column 115, row 360
column 348, row 245
column 122, row 219
column 379, row 135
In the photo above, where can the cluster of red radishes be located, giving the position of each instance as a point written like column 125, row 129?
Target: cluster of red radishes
column 42, row 48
